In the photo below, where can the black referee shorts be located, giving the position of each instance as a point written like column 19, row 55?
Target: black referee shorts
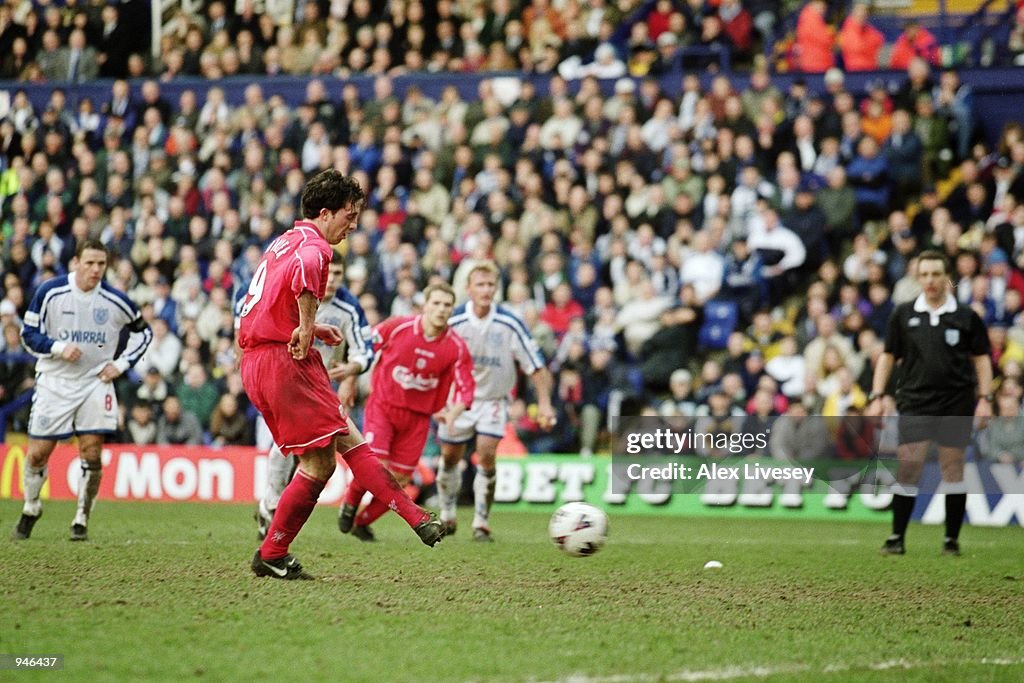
column 948, row 423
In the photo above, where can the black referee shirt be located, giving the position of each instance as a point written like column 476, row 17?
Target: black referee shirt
column 937, row 374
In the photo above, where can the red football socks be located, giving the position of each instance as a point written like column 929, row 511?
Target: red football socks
column 370, row 473
column 354, row 493
column 296, row 505
column 372, row 512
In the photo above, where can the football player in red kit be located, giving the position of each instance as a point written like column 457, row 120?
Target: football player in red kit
column 286, row 380
column 420, row 363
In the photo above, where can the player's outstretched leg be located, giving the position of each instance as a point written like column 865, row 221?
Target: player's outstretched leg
column 88, row 487
column 370, row 472
column 280, row 469
column 32, row 479
column 483, row 498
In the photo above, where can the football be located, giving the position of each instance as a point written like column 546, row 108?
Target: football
column 578, row 529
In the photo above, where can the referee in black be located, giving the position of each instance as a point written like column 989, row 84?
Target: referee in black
column 943, row 382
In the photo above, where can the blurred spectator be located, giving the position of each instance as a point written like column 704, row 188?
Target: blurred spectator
column 738, row 25
column 936, row 142
column 815, row 39
column 905, row 153
column 846, row 396
column 602, row 376
column 788, row 368
column 954, row 101
column 141, row 427
column 719, row 419
column 702, row 268
column 113, row 44
column 163, row 353
column 859, row 41
column 779, row 248
column 1003, row 440
column 228, row 425
column 154, row 388
column 197, row 395
column 176, row 426
column 639, row 318
column 915, row 41
column 869, row 174
column 681, row 401
column 675, row 342
column 17, row 372
column 798, row 437
column 855, row 435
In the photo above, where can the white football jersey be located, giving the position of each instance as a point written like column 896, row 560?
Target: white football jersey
column 343, row 311
column 104, row 323
column 497, row 342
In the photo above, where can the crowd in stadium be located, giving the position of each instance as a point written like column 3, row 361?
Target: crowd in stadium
column 707, row 252
column 77, row 41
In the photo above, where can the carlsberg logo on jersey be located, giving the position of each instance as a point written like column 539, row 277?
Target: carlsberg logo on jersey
column 407, row 379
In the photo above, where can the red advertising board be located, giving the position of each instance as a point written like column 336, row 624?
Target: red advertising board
column 159, row 473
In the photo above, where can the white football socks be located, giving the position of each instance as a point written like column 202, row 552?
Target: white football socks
column 88, row 487
column 32, row 482
column 449, row 481
column 483, row 496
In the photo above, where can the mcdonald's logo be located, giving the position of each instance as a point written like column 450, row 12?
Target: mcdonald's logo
column 12, row 465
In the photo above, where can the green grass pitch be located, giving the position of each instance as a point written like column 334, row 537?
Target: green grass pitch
column 163, row 592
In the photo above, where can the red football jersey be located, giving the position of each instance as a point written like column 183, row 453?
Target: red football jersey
column 417, row 373
column 295, row 262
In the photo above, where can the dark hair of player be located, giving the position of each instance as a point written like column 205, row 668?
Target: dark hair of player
column 933, row 255
column 330, row 190
column 90, row 244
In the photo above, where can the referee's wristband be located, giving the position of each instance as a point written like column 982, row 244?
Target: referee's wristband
column 988, row 397
column 873, row 396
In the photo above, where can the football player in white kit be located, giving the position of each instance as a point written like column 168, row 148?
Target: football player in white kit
column 341, row 309
column 498, row 341
column 75, row 325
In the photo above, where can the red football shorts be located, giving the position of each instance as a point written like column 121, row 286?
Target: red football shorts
column 395, row 435
column 294, row 397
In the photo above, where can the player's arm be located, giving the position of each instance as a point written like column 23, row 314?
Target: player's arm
column 302, row 336
column 894, row 346
column 460, row 383
column 139, row 337
column 37, row 341
column 981, row 354
column 531, row 360
column 328, row 334
column 542, row 386
column 983, row 370
column 307, row 274
column 237, row 325
column 883, row 369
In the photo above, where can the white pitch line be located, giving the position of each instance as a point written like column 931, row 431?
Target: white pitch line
column 731, row 673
